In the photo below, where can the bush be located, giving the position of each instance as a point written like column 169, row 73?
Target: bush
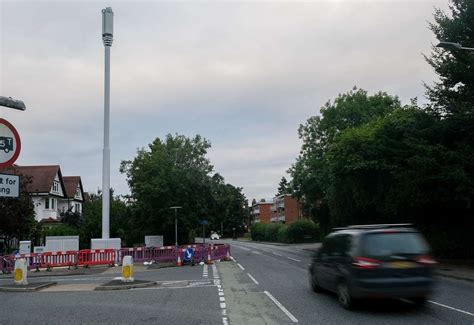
column 271, row 231
column 257, row 231
column 60, row 230
column 282, row 235
column 303, row 231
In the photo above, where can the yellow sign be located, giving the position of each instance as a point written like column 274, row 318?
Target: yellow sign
column 18, row 275
column 126, row 272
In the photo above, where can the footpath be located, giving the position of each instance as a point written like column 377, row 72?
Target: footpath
column 459, row 270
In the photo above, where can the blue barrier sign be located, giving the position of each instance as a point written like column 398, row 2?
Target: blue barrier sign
column 188, row 254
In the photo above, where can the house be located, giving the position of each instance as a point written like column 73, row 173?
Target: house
column 51, row 192
column 261, row 211
column 285, row 209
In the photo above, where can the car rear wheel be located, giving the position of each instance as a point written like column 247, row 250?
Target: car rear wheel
column 343, row 296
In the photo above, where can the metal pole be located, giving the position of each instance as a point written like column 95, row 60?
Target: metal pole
column 107, row 38
column 106, row 151
column 176, row 226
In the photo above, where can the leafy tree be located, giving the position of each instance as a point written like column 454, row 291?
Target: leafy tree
column 17, row 216
column 453, row 94
column 120, row 220
column 283, row 186
column 310, row 174
column 176, row 172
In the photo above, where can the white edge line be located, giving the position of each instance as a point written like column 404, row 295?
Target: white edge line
column 253, row 279
column 293, row 259
column 241, row 267
column 459, row 310
column 277, row 254
column 283, row 309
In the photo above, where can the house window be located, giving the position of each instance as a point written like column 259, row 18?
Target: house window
column 77, row 208
column 46, row 203
column 56, row 186
column 53, row 204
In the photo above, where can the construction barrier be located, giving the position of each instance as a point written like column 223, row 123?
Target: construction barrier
column 88, row 257
column 59, row 259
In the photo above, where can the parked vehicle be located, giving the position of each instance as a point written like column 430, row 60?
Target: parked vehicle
column 215, row 236
column 374, row 261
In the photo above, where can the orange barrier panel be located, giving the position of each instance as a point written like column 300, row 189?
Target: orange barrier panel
column 87, row 257
column 58, row 259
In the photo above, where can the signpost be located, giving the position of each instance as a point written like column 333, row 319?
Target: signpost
column 9, row 185
column 204, row 223
column 10, row 144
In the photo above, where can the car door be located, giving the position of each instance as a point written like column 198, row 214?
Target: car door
column 339, row 259
column 323, row 269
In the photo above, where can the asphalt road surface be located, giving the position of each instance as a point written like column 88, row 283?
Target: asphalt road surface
column 265, row 284
column 283, row 272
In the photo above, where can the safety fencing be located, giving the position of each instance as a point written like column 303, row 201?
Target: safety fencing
column 91, row 257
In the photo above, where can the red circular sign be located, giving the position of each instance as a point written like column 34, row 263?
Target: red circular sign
column 10, row 144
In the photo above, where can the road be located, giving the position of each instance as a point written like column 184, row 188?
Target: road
column 265, row 284
column 283, row 272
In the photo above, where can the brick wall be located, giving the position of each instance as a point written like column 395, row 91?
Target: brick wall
column 291, row 210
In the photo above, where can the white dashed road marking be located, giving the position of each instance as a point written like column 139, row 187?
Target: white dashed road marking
column 293, row 259
column 452, row 308
column 277, row 254
column 253, row 279
column 283, row 309
column 241, row 267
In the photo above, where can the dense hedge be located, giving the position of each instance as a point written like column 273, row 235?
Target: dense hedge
column 298, row 232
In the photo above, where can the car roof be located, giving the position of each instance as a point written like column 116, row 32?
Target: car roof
column 374, row 228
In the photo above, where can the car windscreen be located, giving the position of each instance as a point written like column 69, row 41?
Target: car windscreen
column 387, row 244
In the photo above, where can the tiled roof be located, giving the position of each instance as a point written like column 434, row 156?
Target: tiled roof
column 42, row 177
column 70, row 184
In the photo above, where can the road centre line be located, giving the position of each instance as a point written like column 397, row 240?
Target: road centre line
column 293, row 259
column 452, row 308
column 283, row 309
column 241, row 267
column 277, row 254
column 253, row 279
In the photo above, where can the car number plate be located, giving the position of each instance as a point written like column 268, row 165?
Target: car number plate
column 402, row 265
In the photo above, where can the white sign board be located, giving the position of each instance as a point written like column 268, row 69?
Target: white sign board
column 9, row 185
column 61, row 243
column 111, row 243
column 153, row 241
column 25, row 247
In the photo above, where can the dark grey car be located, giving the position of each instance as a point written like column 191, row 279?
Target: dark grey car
column 374, row 261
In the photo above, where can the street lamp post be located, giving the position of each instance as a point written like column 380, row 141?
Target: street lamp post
column 12, row 103
column 176, row 223
column 107, row 38
column 453, row 46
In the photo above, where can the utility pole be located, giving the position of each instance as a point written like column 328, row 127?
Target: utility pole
column 176, row 223
column 107, row 38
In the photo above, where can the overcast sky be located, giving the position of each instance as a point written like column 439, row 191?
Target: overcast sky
column 242, row 74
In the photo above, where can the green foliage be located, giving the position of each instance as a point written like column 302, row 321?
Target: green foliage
column 17, row 217
column 271, row 231
column 175, row 172
column 282, row 235
column 120, row 221
column 453, row 94
column 60, row 230
column 283, row 187
column 302, row 231
column 257, row 231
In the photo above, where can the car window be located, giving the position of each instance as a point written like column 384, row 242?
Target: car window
column 386, row 244
column 342, row 245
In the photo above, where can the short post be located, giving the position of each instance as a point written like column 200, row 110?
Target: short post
column 21, row 272
column 127, row 269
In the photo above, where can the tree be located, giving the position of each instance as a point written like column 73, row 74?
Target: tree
column 176, row 172
column 310, row 174
column 283, row 186
column 453, row 94
column 121, row 223
column 17, row 216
